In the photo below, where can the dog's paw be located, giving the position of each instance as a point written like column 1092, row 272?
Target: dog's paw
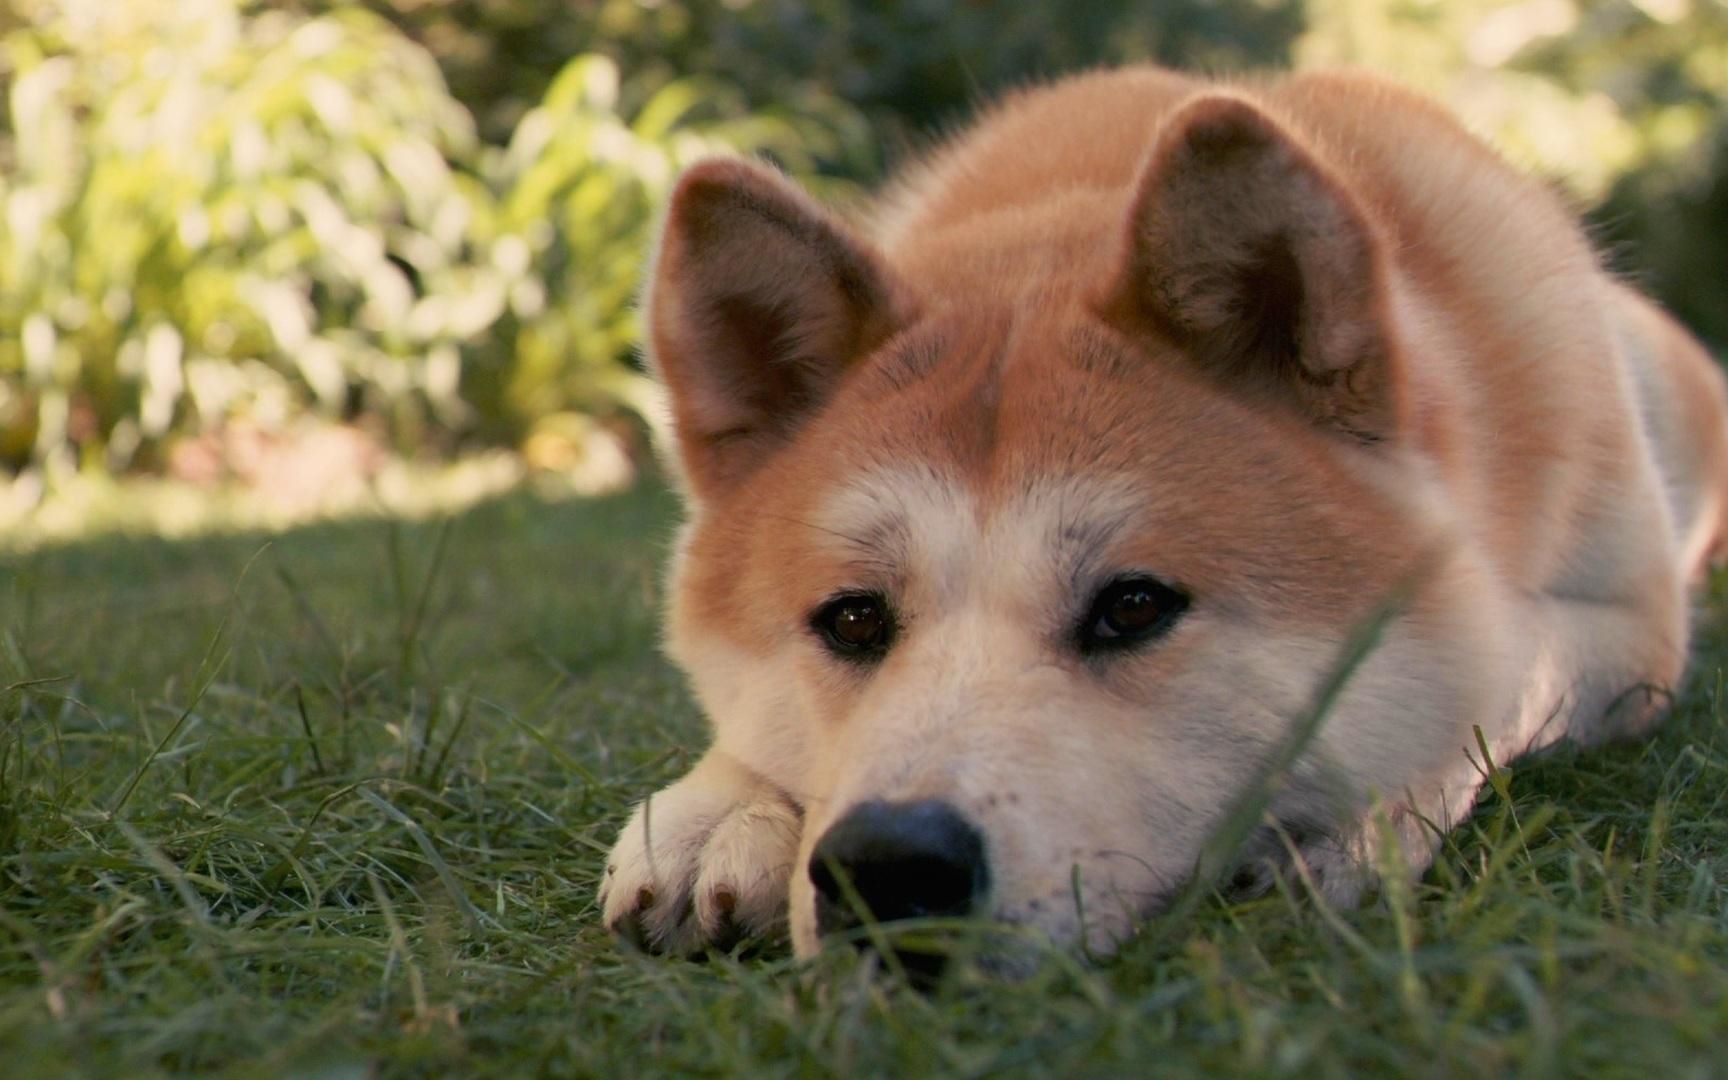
column 703, row 864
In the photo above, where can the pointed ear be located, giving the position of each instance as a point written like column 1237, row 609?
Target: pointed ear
column 760, row 301
column 1248, row 253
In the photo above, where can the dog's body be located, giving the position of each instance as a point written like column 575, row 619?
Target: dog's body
column 1023, row 530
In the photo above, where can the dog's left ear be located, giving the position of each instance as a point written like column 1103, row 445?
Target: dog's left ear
column 1247, row 253
column 760, row 302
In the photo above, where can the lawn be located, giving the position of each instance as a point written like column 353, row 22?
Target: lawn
column 335, row 802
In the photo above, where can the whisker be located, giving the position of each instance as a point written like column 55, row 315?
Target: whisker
column 812, row 526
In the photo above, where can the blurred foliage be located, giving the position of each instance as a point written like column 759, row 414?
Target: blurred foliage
column 1625, row 102
column 908, row 67
column 1665, row 220
column 207, row 213
column 429, row 216
column 577, row 189
column 216, row 210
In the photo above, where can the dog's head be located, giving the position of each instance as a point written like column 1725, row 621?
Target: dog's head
column 1011, row 557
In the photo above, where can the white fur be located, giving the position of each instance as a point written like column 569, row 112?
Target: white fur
column 1062, row 773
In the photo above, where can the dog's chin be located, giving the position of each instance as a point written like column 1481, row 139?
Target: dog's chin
column 1006, row 945
column 1016, row 942
column 927, row 956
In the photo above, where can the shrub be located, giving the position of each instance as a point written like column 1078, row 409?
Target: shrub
column 215, row 212
column 209, row 213
column 578, row 189
column 1625, row 102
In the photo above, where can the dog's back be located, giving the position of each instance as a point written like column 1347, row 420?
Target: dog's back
column 1683, row 397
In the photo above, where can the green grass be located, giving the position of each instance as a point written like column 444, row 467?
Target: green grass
column 336, row 802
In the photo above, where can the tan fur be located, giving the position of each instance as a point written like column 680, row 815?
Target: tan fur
column 1298, row 345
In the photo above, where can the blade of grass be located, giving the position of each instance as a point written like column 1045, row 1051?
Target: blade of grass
column 208, row 667
column 304, row 605
column 1247, row 809
column 470, row 914
column 415, row 616
column 306, row 726
column 399, row 947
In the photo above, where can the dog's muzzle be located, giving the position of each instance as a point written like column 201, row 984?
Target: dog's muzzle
column 897, row 861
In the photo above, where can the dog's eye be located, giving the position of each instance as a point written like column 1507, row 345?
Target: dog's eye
column 855, row 625
column 1128, row 611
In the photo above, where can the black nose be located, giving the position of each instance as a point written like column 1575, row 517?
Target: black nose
column 904, row 860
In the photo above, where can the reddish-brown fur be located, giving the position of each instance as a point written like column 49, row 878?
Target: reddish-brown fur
column 1001, row 232
column 1332, row 346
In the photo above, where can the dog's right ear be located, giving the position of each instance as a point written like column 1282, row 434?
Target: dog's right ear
column 760, row 301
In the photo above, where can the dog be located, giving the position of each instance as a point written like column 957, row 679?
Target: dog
column 1028, row 518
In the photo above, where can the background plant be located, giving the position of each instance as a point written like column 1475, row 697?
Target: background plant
column 210, row 214
column 1623, row 102
column 216, row 211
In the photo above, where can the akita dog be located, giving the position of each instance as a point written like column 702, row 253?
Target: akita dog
column 1025, row 521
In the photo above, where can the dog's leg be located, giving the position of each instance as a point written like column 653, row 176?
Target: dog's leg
column 704, row 862
column 1597, row 669
column 1606, row 670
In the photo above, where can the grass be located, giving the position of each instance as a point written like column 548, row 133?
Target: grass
column 336, row 803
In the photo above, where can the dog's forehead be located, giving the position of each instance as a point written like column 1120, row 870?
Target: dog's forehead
column 1031, row 458
column 1002, row 397
column 940, row 526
